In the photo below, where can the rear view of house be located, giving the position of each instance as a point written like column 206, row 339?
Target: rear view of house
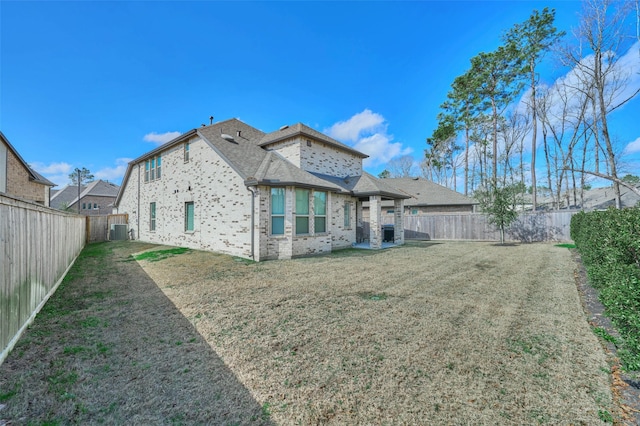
column 231, row 188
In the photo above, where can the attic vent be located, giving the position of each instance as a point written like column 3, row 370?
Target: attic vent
column 227, row 137
column 308, row 142
column 239, row 133
column 286, row 126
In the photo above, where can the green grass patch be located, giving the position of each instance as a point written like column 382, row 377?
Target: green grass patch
column 157, row 255
column 566, row 245
column 602, row 333
column 367, row 295
column 5, row 396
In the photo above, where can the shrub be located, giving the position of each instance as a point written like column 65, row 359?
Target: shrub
column 609, row 244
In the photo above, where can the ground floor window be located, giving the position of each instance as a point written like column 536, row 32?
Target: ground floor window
column 152, row 216
column 319, row 211
column 347, row 214
column 302, row 211
column 188, row 216
column 277, row 211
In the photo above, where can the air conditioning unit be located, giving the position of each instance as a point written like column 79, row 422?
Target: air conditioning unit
column 118, row 232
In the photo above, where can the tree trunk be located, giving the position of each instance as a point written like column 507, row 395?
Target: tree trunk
column 534, row 118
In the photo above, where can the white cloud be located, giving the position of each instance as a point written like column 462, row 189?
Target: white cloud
column 113, row 174
column 632, row 147
column 53, row 168
column 365, row 122
column 366, row 132
column 160, row 138
column 57, row 173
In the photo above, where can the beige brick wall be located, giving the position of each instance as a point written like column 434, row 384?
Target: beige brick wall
column 19, row 184
column 104, row 205
column 319, row 157
column 222, row 203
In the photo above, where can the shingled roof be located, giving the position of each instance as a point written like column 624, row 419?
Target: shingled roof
column 245, row 149
column 423, row 192
column 68, row 195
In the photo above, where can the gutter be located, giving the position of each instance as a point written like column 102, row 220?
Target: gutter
column 253, row 217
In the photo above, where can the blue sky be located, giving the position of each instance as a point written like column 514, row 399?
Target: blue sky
column 96, row 84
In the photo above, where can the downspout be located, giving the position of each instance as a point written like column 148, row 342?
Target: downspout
column 138, row 212
column 253, row 213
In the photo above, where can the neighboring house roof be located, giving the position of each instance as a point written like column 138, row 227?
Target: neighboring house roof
column 98, row 188
column 603, row 198
column 423, row 192
column 300, row 129
column 33, row 175
column 64, row 196
column 244, row 148
column 68, row 195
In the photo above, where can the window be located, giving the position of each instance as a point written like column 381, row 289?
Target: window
column 319, row 211
column 186, row 152
column 153, row 168
column 414, row 211
column 152, row 216
column 84, row 206
column 95, row 206
column 277, row 211
column 347, row 214
column 302, row 211
column 188, row 216
column 390, row 211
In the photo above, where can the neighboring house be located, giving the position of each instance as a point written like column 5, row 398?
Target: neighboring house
column 231, row 188
column 427, row 197
column 594, row 199
column 19, row 180
column 96, row 198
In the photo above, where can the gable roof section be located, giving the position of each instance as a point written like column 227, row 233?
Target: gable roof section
column 97, row 188
column 68, row 195
column 33, row 175
column 364, row 186
column 299, row 129
column 64, row 196
column 423, row 192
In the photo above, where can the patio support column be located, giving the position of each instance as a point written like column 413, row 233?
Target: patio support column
column 398, row 221
column 375, row 221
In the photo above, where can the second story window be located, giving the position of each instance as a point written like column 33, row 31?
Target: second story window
column 153, row 168
column 186, row 152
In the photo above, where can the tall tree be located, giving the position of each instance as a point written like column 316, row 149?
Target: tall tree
column 401, row 166
column 499, row 76
column 79, row 177
column 532, row 39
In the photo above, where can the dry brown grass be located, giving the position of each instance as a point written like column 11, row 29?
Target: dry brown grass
column 451, row 333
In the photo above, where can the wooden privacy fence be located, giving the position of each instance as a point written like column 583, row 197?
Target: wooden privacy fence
column 38, row 245
column 529, row 227
column 98, row 226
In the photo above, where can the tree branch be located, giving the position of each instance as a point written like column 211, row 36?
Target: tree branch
column 628, row 185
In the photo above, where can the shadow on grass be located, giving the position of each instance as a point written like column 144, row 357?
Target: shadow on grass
column 110, row 347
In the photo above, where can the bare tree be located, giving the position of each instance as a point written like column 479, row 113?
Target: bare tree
column 401, row 166
column 595, row 60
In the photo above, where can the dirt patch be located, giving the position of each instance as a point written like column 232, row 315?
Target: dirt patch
column 452, row 333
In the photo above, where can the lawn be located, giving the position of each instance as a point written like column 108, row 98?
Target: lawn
column 427, row 333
